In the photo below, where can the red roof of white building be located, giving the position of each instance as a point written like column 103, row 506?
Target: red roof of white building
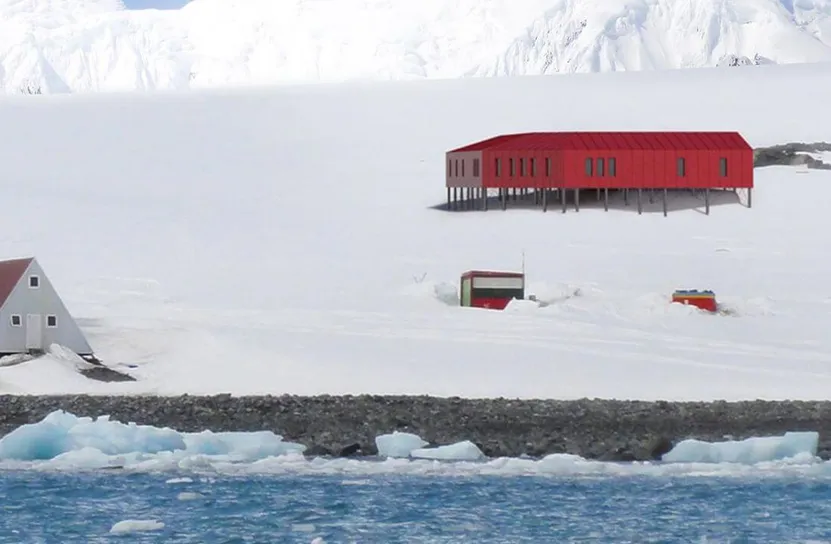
column 10, row 273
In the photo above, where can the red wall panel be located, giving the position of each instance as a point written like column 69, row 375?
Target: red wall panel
column 636, row 168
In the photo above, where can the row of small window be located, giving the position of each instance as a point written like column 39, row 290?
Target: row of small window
column 594, row 167
column 527, row 167
column 453, row 168
column 599, row 167
column 605, row 167
column 51, row 320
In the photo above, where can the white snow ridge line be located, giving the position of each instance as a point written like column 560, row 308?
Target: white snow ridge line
column 209, row 42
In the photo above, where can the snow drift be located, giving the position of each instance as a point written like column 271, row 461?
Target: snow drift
column 60, row 46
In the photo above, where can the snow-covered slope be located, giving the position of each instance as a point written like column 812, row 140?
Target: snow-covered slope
column 60, row 46
column 284, row 240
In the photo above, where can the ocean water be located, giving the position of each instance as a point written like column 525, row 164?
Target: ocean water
column 453, row 503
column 69, row 479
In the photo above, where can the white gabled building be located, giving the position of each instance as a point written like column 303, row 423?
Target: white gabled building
column 32, row 315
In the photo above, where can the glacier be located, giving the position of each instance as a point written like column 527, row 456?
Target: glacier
column 58, row 46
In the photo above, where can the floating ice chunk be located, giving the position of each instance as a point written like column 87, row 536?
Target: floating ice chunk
column 136, row 525
column 460, row 451
column 184, row 480
column 189, row 496
column 61, row 433
column 247, row 445
column 398, row 444
column 749, row 451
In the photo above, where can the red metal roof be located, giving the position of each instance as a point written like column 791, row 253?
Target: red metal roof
column 10, row 273
column 528, row 141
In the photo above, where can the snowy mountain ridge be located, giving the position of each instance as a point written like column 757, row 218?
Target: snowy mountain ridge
column 99, row 45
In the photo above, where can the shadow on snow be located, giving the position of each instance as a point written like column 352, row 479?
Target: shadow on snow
column 592, row 199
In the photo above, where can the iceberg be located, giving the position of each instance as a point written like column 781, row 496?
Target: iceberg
column 61, row 432
column 460, row 451
column 398, row 444
column 758, row 449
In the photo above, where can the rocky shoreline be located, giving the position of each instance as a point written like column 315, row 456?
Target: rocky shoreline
column 347, row 425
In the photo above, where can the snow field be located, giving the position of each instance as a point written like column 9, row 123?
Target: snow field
column 284, row 241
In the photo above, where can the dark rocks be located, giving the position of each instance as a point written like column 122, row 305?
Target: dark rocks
column 106, row 374
column 347, row 425
column 350, row 450
column 792, row 154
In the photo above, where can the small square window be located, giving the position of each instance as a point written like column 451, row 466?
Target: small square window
column 34, row 282
column 17, row 320
column 51, row 321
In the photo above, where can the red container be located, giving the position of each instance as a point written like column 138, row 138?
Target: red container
column 492, row 290
column 705, row 300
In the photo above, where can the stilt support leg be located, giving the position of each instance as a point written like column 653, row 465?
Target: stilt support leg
column 665, row 202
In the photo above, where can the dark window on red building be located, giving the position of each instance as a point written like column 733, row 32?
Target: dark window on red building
column 521, row 167
column 496, row 167
column 533, row 166
column 612, row 166
column 548, row 166
column 511, row 167
column 476, row 168
column 463, row 168
column 601, row 167
column 589, row 167
column 682, row 167
column 722, row 167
